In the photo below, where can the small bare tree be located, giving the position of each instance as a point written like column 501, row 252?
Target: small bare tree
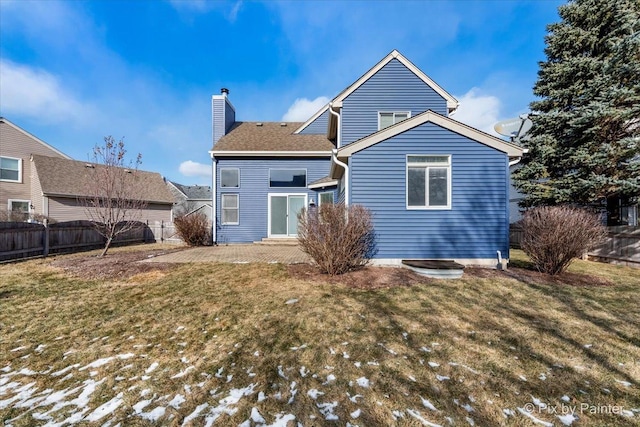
column 337, row 238
column 554, row 235
column 113, row 194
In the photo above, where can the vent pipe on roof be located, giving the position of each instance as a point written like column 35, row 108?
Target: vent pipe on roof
column 224, row 91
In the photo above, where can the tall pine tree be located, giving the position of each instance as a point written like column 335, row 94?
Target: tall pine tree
column 585, row 143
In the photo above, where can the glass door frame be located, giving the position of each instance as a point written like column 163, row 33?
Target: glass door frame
column 287, row 195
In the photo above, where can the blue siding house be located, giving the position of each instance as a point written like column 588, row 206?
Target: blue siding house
column 437, row 189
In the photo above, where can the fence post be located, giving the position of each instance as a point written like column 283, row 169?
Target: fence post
column 45, row 238
column 162, row 231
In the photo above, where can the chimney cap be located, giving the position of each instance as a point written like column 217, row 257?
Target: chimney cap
column 224, row 91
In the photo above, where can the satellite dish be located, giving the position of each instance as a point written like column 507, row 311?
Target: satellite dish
column 514, row 128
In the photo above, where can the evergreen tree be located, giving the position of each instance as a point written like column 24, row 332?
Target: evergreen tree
column 585, row 142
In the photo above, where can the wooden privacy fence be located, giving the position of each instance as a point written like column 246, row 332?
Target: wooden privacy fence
column 622, row 245
column 23, row 240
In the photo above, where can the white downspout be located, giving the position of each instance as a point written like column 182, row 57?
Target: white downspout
column 344, row 166
column 213, row 200
column 334, row 156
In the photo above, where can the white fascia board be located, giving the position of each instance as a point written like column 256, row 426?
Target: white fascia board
column 270, row 153
column 452, row 103
column 35, row 138
column 323, row 184
column 315, row 116
column 445, row 122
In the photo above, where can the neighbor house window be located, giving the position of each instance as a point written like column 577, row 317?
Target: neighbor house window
column 279, row 178
column 230, row 178
column 386, row 119
column 230, row 209
column 19, row 209
column 326, row 197
column 10, row 169
column 428, row 182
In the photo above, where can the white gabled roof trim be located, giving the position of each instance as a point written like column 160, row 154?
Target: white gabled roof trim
column 323, row 184
column 247, row 153
column 452, row 103
column 19, row 129
column 511, row 150
column 311, row 120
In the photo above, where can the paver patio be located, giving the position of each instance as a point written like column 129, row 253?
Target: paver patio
column 237, row 253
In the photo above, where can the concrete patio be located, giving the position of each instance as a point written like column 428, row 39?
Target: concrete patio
column 237, row 253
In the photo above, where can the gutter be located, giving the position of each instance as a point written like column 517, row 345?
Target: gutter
column 334, row 156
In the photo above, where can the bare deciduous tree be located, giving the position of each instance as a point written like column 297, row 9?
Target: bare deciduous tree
column 113, row 197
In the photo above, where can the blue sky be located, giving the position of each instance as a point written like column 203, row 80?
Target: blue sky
column 73, row 72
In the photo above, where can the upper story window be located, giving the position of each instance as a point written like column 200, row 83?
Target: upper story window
column 386, row 119
column 230, row 178
column 10, row 169
column 279, row 178
column 428, row 182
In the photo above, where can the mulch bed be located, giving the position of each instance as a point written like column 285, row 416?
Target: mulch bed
column 115, row 265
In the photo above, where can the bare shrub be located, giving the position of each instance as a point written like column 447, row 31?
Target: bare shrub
column 554, row 235
column 193, row 229
column 337, row 238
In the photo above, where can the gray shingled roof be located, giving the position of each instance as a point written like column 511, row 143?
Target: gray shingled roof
column 270, row 136
column 69, row 178
column 194, row 192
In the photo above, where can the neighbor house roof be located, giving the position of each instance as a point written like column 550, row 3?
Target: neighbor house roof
column 71, row 178
column 194, row 192
column 270, row 138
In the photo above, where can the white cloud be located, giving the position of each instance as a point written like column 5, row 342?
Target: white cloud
column 478, row 110
column 303, row 108
column 191, row 168
column 38, row 94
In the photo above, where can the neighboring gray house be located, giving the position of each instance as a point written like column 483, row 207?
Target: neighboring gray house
column 190, row 199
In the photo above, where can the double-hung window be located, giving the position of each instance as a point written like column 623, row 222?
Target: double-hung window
column 386, row 119
column 230, row 209
column 10, row 169
column 428, row 182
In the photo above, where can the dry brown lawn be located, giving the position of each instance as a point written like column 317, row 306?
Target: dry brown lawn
column 258, row 344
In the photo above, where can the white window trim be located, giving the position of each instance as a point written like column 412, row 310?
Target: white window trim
column 333, row 196
column 222, row 208
column 19, row 181
column 408, row 113
column 426, row 182
column 306, row 177
column 10, row 202
column 223, row 169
